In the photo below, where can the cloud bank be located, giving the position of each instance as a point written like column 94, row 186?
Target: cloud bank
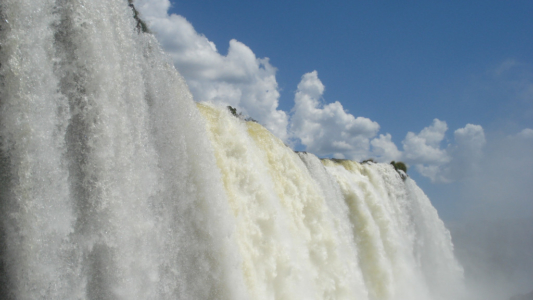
column 248, row 83
column 239, row 79
column 327, row 129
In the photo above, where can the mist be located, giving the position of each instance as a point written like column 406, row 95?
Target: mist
column 494, row 236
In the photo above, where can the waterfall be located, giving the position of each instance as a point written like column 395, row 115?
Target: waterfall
column 114, row 184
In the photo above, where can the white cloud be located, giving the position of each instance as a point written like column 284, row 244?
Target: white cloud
column 527, row 133
column 446, row 163
column 239, row 79
column 327, row 129
column 470, row 142
column 384, row 149
column 242, row 80
column 466, row 153
column 246, row 82
column 152, row 8
column 424, row 148
column 471, row 136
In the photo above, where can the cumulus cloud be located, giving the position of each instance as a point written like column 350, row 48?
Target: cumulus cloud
column 239, row 79
column 468, row 151
column 248, row 83
column 327, row 129
column 424, row 148
column 444, row 163
column 384, row 149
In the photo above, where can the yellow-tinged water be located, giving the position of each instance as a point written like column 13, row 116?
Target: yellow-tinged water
column 114, row 184
column 317, row 230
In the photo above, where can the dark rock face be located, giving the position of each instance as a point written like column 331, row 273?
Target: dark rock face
column 141, row 25
column 523, row 297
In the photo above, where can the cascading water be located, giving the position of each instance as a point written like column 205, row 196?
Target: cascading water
column 115, row 185
column 325, row 230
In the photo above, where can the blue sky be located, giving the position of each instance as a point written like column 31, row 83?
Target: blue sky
column 383, row 59
column 446, row 86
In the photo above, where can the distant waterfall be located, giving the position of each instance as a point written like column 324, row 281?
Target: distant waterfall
column 114, row 184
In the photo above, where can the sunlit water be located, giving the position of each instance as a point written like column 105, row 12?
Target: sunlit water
column 116, row 185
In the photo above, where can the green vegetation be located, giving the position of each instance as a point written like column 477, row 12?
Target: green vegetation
column 400, row 166
column 234, row 111
column 338, row 160
column 237, row 114
column 141, row 26
column 366, row 161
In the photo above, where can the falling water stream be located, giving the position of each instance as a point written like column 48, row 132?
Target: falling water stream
column 114, row 184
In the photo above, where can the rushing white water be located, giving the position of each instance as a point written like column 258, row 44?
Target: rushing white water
column 115, row 185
